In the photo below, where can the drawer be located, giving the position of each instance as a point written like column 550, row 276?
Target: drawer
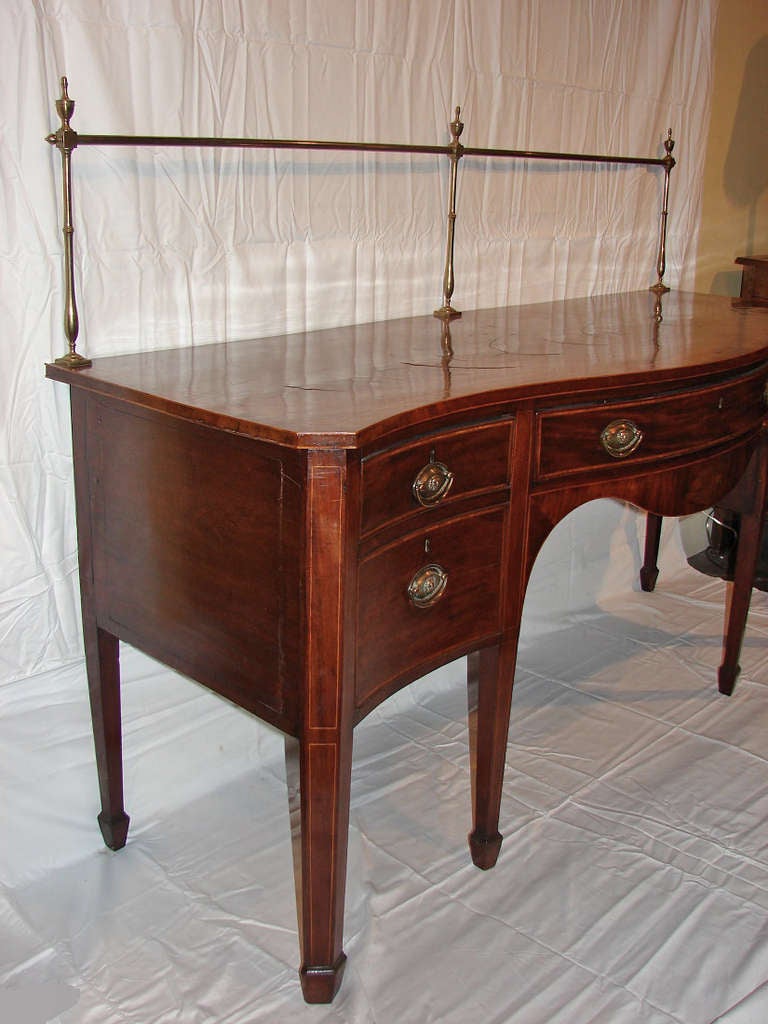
column 397, row 636
column 611, row 435
column 434, row 472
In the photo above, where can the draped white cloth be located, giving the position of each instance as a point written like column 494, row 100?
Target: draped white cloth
column 181, row 246
column 176, row 247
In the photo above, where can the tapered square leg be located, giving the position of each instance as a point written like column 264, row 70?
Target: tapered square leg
column 490, row 678
column 103, row 667
column 102, row 652
column 318, row 792
column 326, row 724
column 738, row 600
column 649, row 571
column 751, row 497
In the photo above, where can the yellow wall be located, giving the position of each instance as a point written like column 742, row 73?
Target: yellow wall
column 735, row 196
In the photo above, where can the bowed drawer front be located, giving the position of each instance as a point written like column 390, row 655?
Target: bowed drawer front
column 427, row 598
column 617, row 435
column 434, row 472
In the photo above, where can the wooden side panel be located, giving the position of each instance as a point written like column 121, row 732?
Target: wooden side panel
column 188, row 550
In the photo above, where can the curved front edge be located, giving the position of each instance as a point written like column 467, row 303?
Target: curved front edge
column 674, row 489
column 735, row 477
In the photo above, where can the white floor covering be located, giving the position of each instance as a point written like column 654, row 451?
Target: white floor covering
column 632, row 884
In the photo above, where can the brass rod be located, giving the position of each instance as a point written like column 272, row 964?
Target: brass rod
column 208, row 142
column 235, row 143
column 584, row 158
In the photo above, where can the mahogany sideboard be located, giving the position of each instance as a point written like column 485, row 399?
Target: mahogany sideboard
column 307, row 523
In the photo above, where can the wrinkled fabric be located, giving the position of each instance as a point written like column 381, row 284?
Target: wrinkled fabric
column 631, row 883
column 184, row 246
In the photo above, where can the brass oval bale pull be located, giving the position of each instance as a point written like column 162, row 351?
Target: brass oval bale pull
column 432, row 483
column 427, row 586
column 620, row 438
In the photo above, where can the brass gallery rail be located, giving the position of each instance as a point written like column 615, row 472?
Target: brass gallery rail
column 66, row 139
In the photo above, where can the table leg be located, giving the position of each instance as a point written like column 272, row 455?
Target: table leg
column 101, row 648
column 319, row 775
column 751, row 520
column 326, row 719
column 103, row 668
column 649, row 571
column 490, row 675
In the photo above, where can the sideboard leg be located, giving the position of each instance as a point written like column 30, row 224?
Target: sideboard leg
column 319, row 808
column 103, row 667
column 326, row 719
column 752, row 518
column 649, row 571
column 737, row 606
column 490, row 676
column 738, row 600
column 102, row 651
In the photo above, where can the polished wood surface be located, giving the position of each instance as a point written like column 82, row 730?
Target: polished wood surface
column 255, row 515
column 349, row 386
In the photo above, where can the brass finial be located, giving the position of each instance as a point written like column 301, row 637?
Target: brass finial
column 457, row 127
column 669, row 145
column 65, row 107
column 65, row 139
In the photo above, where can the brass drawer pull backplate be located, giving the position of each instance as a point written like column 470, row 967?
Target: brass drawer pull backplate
column 620, row 438
column 427, row 586
column 432, row 483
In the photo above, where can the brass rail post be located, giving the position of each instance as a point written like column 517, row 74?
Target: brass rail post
column 455, row 151
column 65, row 140
column 668, row 162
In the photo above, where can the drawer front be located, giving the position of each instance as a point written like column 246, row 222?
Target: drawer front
column 616, row 435
column 431, row 593
column 434, row 472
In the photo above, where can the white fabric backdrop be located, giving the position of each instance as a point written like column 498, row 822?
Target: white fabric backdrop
column 174, row 247
column 632, row 793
